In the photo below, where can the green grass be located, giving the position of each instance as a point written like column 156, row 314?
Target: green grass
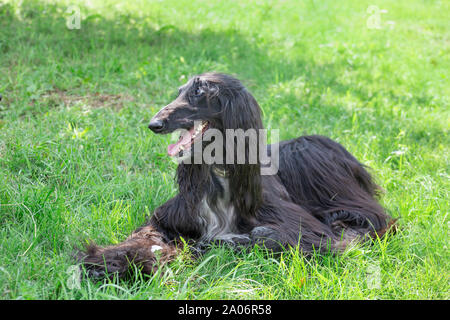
column 77, row 161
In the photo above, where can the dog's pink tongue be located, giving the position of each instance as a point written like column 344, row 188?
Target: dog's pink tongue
column 174, row 149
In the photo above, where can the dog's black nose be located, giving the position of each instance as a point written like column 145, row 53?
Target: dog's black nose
column 156, row 125
column 0, row 97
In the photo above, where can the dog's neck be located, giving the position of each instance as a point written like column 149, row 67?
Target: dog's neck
column 220, row 171
column 211, row 202
column 197, row 181
column 244, row 179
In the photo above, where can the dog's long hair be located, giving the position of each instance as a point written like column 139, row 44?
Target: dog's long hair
column 320, row 194
column 321, row 198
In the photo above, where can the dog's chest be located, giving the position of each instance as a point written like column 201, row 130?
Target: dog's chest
column 218, row 220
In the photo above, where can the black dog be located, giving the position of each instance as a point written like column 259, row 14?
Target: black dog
column 320, row 199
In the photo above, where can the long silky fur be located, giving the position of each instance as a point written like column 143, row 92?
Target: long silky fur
column 322, row 198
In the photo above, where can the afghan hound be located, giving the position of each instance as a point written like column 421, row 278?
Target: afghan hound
column 320, row 198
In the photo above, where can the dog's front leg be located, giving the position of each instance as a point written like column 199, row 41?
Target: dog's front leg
column 268, row 237
column 263, row 236
column 145, row 249
column 236, row 242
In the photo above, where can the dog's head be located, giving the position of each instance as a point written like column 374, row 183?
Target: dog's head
column 210, row 100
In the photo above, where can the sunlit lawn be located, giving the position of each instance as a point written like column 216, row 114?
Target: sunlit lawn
column 77, row 161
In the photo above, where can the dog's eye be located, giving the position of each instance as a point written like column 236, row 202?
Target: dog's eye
column 198, row 92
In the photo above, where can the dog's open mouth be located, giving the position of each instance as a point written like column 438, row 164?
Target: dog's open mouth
column 187, row 138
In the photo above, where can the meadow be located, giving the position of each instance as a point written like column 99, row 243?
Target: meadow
column 78, row 163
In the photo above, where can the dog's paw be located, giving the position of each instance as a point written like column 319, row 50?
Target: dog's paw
column 96, row 274
column 267, row 237
column 99, row 263
column 236, row 242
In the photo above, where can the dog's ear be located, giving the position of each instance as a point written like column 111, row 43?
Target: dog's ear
column 211, row 89
column 241, row 111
